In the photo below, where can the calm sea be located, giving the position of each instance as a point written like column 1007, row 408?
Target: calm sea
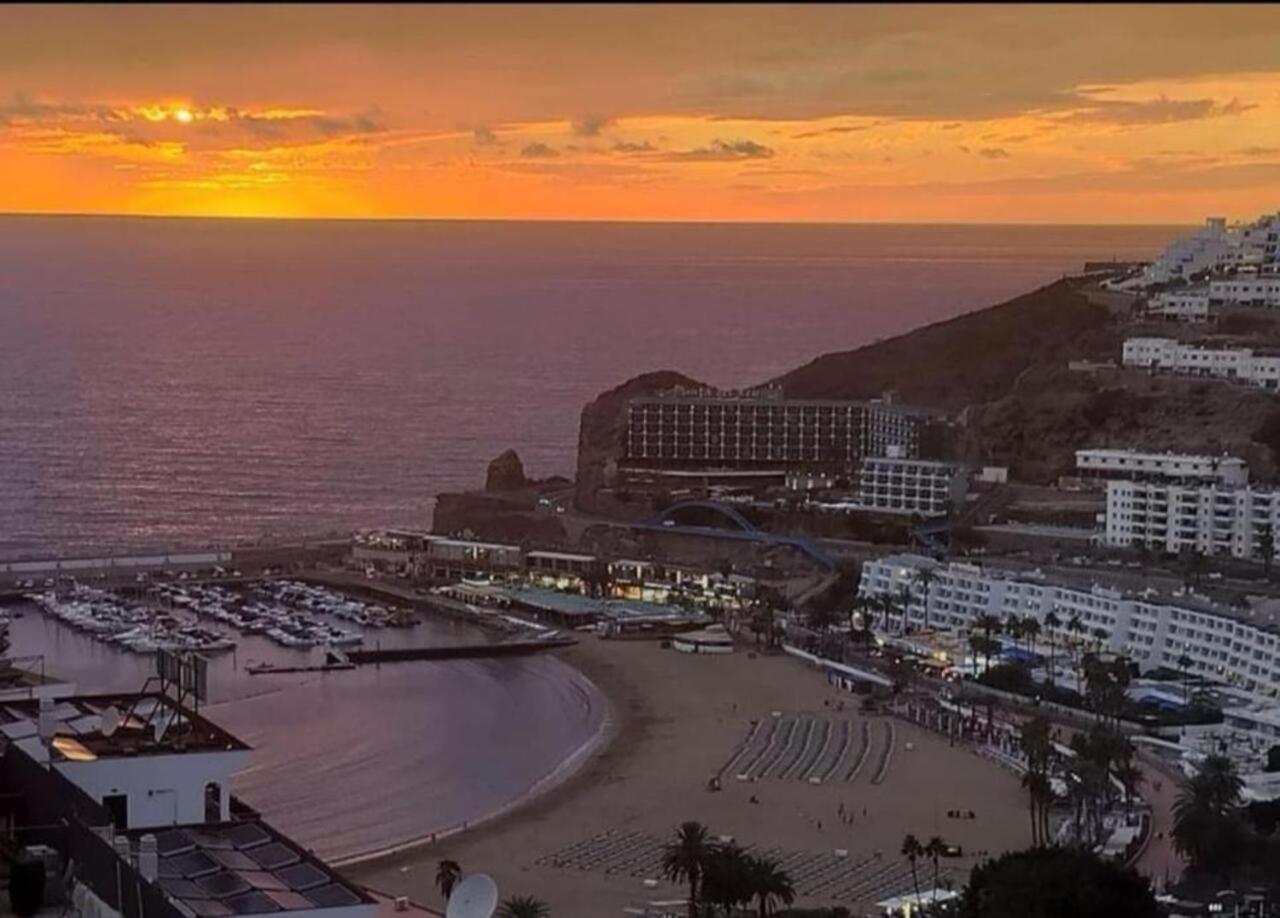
column 182, row 382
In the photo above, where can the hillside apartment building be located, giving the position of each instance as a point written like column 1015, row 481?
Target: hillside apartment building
column 1239, row 364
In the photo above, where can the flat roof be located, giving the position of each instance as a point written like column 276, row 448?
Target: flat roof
column 560, row 555
column 244, row 867
column 80, row 727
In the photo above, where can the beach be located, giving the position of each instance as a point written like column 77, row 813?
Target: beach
column 676, row 721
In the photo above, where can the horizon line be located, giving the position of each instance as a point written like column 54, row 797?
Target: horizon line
column 322, row 218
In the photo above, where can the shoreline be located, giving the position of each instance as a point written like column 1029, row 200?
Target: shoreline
column 621, row 732
column 566, row 773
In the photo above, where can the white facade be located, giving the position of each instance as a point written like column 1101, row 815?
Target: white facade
column 1212, row 248
column 1178, row 467
column 1240, row 364
column 1190, row 305
column 160, row 790
column 906, row 485
column 1207, row 519
column 1153, row 632
column 1260, row 291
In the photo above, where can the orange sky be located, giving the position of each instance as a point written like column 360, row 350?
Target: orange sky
column 1060, row 113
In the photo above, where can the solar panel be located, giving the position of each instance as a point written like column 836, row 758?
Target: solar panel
column 172, row 842
column 195, row 864
column 247, row 835
column 223, row 884
column 233, row 860
column 290, row 901
column 274, row 856
column 182, row 889
column 214, row 841
column 251, row 903
column 260, row 879
column 333, row 896
column 304, row 876
column 19, row 729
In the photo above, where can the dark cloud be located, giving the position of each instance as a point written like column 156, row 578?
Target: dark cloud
column 22, row 107
column 483, row 136
column 538, row 150
column 839, row 129
column 721, row 151
column 623, row 146
column 993, row 153
column 1153, row 111
column 1259, row 151
column 591, row 125
column 277, row 126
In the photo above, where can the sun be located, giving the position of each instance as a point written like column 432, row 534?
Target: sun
column 184, row 115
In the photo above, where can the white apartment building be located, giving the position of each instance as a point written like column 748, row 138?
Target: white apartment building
column 1208, row 519
column 1236, row 363
column 1176, row 467
column 907, row 485
column 1257, row 290
column 1212, row 248
column 1222, row 645
column 1188, row 305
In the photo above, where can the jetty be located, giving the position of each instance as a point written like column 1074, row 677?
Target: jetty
column 458, row 651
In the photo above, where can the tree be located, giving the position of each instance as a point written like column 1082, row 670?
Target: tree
column 727, row 877
column 934, row 849
column 523, row 907
column 769, row 883
column 1267, row 547
column 1052, row 623
column 1184, row 666
column 598, row 578
column 684, row 858
column 924, row 578
column 912, row 850
column 1056, row 883
column 1207, row 825
column 448, row 873
column 1037, row 746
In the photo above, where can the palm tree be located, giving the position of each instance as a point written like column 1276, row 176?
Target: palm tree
column 726, row 879
column 1052, row 623
column 769, row 883
column 1267, row 547
column 924, row 579
column 905, row 596
column 1184, row 665
column 912, row 850
column 684, row 857
column 1206, row 826
column 934, row 849
column 448, row 873
column 1031, row 631
column 523, row 907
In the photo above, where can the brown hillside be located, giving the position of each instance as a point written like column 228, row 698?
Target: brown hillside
column 975, row 357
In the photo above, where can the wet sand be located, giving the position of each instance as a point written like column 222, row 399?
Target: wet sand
column 676, row 721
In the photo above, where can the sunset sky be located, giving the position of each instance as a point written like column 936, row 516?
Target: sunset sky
column 1143, row 114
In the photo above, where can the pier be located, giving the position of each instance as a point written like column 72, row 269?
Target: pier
column 458, row 651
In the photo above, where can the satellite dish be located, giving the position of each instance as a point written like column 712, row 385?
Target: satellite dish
column 110, row 721
column 475, row 897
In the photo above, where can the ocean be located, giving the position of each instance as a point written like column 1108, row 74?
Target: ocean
column 172, row 383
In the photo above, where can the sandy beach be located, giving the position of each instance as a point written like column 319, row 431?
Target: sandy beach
column 677, row 720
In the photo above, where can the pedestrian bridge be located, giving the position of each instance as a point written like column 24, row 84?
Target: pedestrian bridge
column 736, row 526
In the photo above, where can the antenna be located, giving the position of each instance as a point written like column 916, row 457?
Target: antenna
column 475, row 897
column 110, row 721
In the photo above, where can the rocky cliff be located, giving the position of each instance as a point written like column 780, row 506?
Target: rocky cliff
column 601, row 431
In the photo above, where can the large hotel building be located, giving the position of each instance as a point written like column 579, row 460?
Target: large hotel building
column 759, row 428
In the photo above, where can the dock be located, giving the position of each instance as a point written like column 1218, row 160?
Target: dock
column 458, row 651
